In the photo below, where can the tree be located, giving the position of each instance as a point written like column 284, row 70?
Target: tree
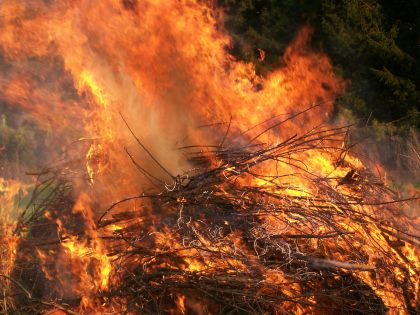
column 375, row 44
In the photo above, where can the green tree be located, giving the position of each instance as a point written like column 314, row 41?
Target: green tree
column 268, row 25
column 364, row 44
column 375, row 44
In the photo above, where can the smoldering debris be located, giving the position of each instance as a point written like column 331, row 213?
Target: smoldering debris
column 230, row 236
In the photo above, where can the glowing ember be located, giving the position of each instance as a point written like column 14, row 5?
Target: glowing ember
column 236, row 195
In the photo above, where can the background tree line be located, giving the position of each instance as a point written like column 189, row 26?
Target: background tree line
column 373, row 43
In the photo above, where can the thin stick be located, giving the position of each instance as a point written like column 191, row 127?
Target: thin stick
column 145, row 149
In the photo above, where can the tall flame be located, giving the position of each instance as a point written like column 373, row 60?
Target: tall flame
column 87, row 69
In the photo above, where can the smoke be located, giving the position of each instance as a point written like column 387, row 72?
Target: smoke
column 121, row 85
column 393, row 157
column 81, row 67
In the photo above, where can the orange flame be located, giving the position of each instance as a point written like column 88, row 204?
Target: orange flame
column 78, row 66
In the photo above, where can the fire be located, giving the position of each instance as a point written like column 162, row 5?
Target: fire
column 11, row 191
column 181, row 304
column 88, row 250
column 126, row 84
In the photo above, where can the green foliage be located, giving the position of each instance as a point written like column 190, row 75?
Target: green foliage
column 375, row 44
column 265, row 24
column 14, row 143
column 22, row 145
column 365, row 42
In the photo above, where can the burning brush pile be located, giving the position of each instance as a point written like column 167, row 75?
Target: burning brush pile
column 185, row 182
column 225, row 237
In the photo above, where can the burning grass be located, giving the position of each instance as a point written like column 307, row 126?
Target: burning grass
column 229, row 236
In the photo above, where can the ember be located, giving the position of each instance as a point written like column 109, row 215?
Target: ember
column 188, row 184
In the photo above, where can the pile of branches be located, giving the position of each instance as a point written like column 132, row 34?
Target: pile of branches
column 229, row 237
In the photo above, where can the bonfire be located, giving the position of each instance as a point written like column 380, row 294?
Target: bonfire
column 194, row 186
